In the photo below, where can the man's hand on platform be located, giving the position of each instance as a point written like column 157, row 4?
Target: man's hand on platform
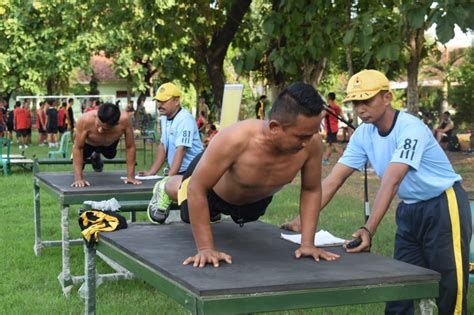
column 316, row 253
column 133, row 181
column 80, row 183
column 208, row 256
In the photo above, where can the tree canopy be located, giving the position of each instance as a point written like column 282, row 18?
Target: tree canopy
column 272, row 41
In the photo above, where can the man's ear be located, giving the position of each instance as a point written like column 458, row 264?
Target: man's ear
column 274, row 126
column 388, row 98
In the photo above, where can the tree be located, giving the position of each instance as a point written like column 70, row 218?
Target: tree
column 419, row 16
column 443, row 65
column 209, row 35
column 40, row 44
column 462, row 95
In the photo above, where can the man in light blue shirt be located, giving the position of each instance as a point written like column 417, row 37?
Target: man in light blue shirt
column 433, row 219
column 180, row 141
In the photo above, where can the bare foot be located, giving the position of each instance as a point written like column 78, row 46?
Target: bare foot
column 294, row 225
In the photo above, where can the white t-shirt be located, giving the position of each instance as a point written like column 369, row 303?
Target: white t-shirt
column 410, row 142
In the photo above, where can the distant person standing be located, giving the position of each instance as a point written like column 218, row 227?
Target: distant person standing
column 203, row 107
column 52, row 123
column 29, row 120
column 260, row 107
column 94, row 106
column 331, row 125
column 202, row 123
column 62, row 118
column 3, row 117
column 20, row 125
column 70, row 123
column 10, row 122
column 41, row 124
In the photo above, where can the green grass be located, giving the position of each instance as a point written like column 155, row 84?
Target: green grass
column 29, row 285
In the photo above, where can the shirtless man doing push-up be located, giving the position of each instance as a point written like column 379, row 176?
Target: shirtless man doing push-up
column 98, row 132
column 244, row 166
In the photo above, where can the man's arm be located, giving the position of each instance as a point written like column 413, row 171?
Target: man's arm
column 78, row 154
column 330, row 185
column 217, row 158
column 130, row 154
column 177, row 160
column 391, row 181
column 310, row 202
column 158, row 162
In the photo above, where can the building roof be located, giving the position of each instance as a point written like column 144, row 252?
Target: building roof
column 103, row 69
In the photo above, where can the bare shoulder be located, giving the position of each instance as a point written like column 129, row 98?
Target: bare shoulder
column 315, row 146
column 238, row 135
column 125, row 119
column 87, row 119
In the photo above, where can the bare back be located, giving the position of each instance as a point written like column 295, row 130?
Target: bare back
column 253, row 168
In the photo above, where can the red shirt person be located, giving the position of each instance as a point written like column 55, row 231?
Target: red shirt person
column 331, row 124
column 20, row 125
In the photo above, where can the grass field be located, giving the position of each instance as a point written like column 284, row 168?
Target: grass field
column 29, row 284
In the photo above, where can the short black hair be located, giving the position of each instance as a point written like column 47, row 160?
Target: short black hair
column 71, row 100
column 109, row 114
column 447, row 113
column 332, row 96
column 297, row 99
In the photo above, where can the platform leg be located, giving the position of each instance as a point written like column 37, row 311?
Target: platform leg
column 64, row 277
column 37, row 217
column 90, row 280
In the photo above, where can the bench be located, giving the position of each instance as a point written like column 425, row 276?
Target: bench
column 7, row 159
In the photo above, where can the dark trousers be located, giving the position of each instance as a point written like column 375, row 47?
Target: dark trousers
column 436, row 234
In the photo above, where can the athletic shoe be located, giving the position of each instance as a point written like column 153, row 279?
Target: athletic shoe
column 325, row 162
column 159, row 207
column 96, row 161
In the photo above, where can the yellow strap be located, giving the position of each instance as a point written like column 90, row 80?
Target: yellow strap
column 471, row 267
column 456, row 232
column 183, row 191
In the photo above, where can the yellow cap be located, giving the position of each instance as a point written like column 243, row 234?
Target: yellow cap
column 167, row 91
column 366, row 84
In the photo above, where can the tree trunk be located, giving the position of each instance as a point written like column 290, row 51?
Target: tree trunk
column 415, row 40
column 217, row 50
column 50, row 86
column 350, row 65
column 319, row 71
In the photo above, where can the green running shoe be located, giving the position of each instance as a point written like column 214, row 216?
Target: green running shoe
column 159, row 206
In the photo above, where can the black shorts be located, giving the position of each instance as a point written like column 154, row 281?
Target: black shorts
column 240, row 214
column 331, row 137
column 62, row 129
column 28, row 132
column 21, row 132
column 3, row 128
column 41, row 129
column 109, row 152
column 52, row 129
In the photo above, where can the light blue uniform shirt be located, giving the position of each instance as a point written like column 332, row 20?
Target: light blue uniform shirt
column 180, row 131
column 410, row 142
